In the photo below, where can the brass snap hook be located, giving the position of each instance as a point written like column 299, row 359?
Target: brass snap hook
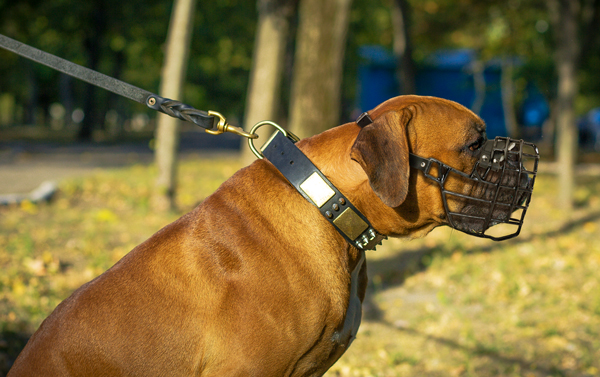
column 258, row 125
column 223, row 126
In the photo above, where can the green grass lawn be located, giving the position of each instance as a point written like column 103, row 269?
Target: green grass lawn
column 445, row 305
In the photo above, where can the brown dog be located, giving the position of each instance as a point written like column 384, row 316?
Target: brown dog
column 254, row 281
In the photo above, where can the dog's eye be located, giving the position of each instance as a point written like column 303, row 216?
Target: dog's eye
column 478, row 144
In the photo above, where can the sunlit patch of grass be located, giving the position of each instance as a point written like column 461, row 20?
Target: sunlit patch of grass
column 48, row 250
column 525, row 307
column 445, row 305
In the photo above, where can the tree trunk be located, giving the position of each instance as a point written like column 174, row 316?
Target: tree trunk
column 480, row 86
column 508, row 98
column 403, row 47
column 171, row 86
column 565, row 15
column 93, row 47
column 546, row 144
column 32, row 104
column 316, row 84
column 66, row 97
column 267, row 70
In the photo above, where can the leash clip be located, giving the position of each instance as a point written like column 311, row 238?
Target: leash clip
column 258, row 125
column 223, row 127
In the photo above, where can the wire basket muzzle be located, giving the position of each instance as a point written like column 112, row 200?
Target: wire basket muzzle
column 491, row 201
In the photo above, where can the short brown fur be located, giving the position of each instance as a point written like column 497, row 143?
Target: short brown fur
column 254, row 282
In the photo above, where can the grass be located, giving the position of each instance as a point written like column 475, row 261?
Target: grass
column 445, row 305
column 454, row 305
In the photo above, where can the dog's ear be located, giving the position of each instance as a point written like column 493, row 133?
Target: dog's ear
column 381, row 149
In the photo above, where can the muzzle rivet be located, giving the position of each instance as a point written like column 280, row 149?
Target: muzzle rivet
column 423, row 164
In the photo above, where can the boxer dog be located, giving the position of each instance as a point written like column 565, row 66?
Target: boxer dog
column 255, row 281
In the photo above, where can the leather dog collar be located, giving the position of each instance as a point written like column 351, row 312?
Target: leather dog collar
column 317, row 189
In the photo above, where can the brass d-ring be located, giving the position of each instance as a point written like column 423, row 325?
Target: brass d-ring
column 258, row 125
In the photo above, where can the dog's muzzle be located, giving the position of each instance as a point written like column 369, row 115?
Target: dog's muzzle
column 497, row 191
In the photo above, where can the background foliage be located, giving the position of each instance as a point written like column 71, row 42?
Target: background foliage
column 125, row 40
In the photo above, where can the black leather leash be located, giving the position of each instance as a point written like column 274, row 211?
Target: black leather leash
column 212, row 122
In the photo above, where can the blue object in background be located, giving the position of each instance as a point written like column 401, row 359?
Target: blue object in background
column 376, row 77
column 449, row 74
column 492, row 111
column 535, row 109
column 589, row 130
column 533, row 113
column 446, row 74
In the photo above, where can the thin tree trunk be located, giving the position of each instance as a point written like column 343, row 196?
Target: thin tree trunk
column 267, row 70
column 403, row 47
column 92, row 114
column 316, row 85
column 171, row 86
column 66, row 97
column 32, row 104
column 508, row 98
column 565, row 15
column 480, row 86
column 549, row 129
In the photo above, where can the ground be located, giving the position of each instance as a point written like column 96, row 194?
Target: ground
column 445, row 305
column 24, row 165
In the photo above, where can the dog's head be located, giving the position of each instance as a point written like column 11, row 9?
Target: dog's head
column 429, row 160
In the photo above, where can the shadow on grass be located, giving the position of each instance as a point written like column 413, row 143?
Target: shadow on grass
column 392, row 272
column 395, row 270
column 11, row 344
column 525, row 368
column 566, row 227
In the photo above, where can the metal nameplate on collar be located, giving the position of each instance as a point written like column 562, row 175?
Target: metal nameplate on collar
column 350, row 223
column 317, row 189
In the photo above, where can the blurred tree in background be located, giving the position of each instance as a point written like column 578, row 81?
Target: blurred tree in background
column 109, row 41
column 567, row 17
column 317, row 77
column 126, row 39
column 127, row 44
column 402, row 46
column 268, row 65
column 171, row 86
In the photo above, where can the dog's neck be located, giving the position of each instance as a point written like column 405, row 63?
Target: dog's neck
column 348, row 176
column 335, row 162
